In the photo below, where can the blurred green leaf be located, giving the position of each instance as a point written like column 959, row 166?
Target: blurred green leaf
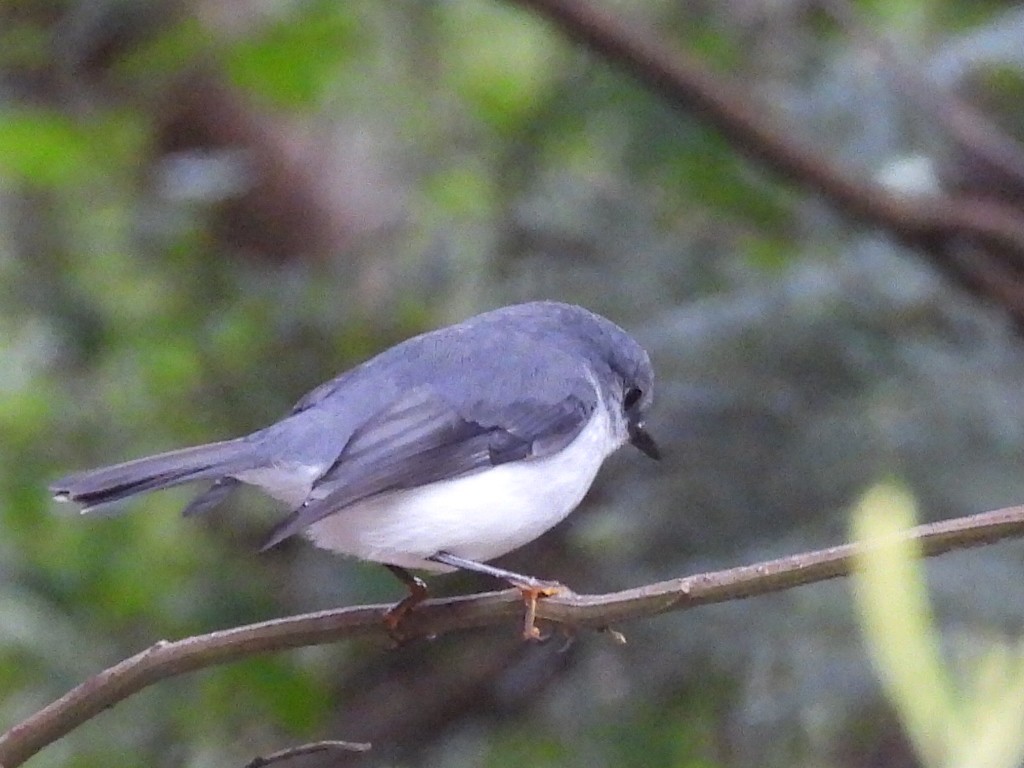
column 296, row 59
column 714, row 47
column 174, row 49
column 50, row 149
column 44, row 148
column 274, row 686
column 767, row 253
column 507, row 77
column 900, row 17
column 897, row 620
column 526, row 747
column 703, row 166
column 461, row 190
column 979, row 724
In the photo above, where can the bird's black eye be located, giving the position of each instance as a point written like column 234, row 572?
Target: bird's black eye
column 631, row 398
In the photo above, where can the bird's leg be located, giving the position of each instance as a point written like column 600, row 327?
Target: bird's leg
column 531, row 589
column 417, row 594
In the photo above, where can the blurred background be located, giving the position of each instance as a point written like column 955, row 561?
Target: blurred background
column 207, row 208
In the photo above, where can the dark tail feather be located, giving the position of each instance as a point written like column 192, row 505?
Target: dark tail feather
column 211, row 497
column 107, row 485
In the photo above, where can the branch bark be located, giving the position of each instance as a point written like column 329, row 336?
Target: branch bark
column 435, row 617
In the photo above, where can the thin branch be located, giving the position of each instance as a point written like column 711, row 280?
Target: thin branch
column 441, row 616
column 977, row 135
column 684, row 81
column 308, row 749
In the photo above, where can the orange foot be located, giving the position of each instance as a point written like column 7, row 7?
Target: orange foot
column 532, row 590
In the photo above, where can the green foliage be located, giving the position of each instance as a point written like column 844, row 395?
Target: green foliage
column 293, row 61
column 290, row 61
column 699, row 164
column 665, row 734
column 671, row 736
column 772, row 255
column 460, row 191
column 528, row 748
column 713, row 47
column 175, row 48
column 505, row 80
column 49, row 149
column 917, row 18
column 901, row 16
column 275, row 688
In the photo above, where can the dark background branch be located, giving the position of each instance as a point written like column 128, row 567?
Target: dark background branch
column 940, row 224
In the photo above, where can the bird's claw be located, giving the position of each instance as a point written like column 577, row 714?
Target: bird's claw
column 395, row 615
column 532, row 591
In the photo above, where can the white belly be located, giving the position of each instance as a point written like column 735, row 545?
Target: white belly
column 478, row 516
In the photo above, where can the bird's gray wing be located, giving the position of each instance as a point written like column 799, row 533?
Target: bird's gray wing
column 322, row 392
column 423, row 439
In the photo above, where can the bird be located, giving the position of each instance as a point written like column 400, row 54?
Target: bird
column 440, row 453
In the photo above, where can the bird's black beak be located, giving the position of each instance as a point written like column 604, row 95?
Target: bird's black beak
column 640, row 438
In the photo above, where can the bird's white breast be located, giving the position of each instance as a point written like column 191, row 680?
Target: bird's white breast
column 477, row 516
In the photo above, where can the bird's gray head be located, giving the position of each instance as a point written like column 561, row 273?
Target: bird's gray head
column 622, row 367
column 632, row 377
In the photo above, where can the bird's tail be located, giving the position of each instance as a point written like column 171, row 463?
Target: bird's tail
column 98, row 487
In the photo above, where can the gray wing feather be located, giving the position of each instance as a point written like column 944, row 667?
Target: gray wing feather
column 422, row 439
column 322, row 392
